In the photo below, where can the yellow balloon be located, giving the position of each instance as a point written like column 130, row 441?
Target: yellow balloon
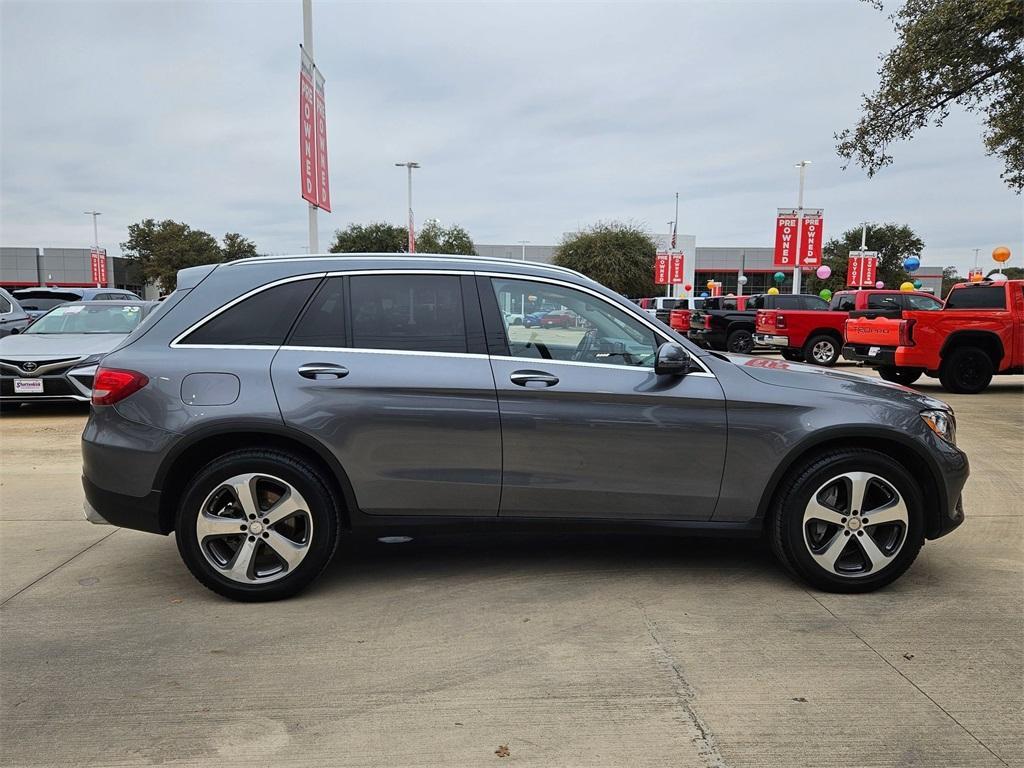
column 773, row 291
column 1001, row 254
column 907, row 286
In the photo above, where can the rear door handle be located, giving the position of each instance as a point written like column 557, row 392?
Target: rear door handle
column 525, row 378
column 326, row 370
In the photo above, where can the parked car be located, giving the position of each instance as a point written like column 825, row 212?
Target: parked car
column 559, row 318
column 679, row 316
column 731, row 328
column 271, row 405
column 816, row 335
column 38, row 301
column 55, row 358
column 978, row 333
column 513, row 318
column 659, row 306
column 13, row 319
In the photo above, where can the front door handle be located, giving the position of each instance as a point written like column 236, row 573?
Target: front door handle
column 326, row 370
column 525, row 378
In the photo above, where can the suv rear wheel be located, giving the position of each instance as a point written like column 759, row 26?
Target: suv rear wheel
column 822, row 350
column 848, row 521
column 257, row 525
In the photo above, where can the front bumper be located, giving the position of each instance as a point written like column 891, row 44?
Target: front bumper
column 770, row 340
column 73, row 385
column 874, row 356
column 952, row 472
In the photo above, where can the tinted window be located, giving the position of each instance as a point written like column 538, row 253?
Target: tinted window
column 885, row 301
column 789, row 302
column 263, row 318
column 323, row 322
column 814, row 302
column 585, row 330
column 977, row 297
column 421, row 313
column 922, row 302
column 5, row 306
column 43, row 300
column 844, row 302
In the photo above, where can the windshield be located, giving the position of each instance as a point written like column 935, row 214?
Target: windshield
column 84, row 318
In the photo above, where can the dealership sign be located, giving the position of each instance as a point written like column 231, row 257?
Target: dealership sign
column 668, row 268
column 316, row 187
column 98, row 262
column 862, row 269
column 798, row 235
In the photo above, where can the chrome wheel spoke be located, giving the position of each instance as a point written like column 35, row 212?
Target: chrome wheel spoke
column 875, row 556
column 827, row 558
column 244, row 487
column 858, row 489
column 241, row 567
column 213, row 525
column 818, row 511
column 896, row 512
column 288, row 550
column 286, row 506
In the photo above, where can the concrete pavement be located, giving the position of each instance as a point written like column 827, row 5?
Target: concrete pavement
column 560, row 651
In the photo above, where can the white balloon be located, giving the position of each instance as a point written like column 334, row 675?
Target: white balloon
column 997, row 277
column 742, row 279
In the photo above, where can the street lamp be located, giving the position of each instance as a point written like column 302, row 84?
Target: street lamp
column 802, row 165
column 523, row 243
column 95, row 231
column 409, row 165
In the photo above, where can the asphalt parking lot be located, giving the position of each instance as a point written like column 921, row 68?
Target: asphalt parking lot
column 564, row 651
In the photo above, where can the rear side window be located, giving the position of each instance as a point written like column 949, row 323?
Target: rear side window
column 885, row 301
column 844, row 302
column 977, row 297
column 323, row 323
column 5, row 306
column 814, row 302
column 417, row 313
column 789, row 302
column 926, row 303
column 262, row 319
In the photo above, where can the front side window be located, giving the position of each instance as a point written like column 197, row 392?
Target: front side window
column 5, row 306
column 977, row 297
column 844, row 302
column 417, row 313
column 926, row 303
column 263, row 319
column 583, row 328
column 885, row 301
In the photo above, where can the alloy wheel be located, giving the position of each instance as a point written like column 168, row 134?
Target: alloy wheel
column 254, row 528
column 855, row 524
column 823, row 351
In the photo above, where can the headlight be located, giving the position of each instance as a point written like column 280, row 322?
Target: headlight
column 942, row 424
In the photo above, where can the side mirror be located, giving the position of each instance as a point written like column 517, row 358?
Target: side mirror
column 671, row 360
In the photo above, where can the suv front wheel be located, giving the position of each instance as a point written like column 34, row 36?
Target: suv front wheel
column 848, row 521
column 257, row 525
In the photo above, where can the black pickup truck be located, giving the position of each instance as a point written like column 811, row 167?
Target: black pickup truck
column 726, row 323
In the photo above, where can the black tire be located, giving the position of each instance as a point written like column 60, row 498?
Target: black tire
column 786, row 522
column 740, row 341
column 966, row 371
column 822, row 350
column 905, row 376
column 324, row 514
column 793, row 355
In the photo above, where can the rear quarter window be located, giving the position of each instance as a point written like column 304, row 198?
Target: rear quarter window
column 977, row 297
column 263, row 319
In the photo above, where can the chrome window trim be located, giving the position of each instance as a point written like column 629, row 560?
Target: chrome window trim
column 370, row 351
column 639, row 315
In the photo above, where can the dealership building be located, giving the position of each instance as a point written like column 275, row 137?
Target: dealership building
column 71, row 267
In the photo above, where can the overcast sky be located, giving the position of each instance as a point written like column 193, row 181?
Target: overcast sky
column 529, row 120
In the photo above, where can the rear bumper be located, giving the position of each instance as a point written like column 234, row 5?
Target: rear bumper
column 770, row 340
column 703, row 337
column 104, row 507
column 862, row 353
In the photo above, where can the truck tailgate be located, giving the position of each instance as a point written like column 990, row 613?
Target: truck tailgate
column 874, row 331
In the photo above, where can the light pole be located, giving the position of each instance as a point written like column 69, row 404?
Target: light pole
column 802, row 165
column 95, row 239
column 409, row 165
column 523, row 243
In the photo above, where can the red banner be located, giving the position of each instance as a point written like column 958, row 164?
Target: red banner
column 676, row 268
column 810, row 240
column 323, row 182
column 662, row 269
column 785, row 238
column 307, row 132
column 98, row 262
column 862, row 269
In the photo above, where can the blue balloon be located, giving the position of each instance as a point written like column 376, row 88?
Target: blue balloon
column 704, row 295
column 912, row 263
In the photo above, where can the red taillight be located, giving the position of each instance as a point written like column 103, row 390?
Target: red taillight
column 780, row 320
column 907, row 333
column 111, row 385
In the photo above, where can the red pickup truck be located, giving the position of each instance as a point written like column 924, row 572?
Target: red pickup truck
column 816, row 336
column 979, row 333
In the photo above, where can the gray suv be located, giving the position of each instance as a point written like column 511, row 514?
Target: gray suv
column 271, row 405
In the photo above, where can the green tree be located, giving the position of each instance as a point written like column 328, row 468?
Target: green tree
column 965, row 52
column 950, row 277
column 237, row 247
column 620, row 256
column 434, row 238
column 893, row 242
column 375, row 237
column 161, row 249
column 1012, row 273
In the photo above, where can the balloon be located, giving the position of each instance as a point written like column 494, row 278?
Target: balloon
column 742, row 279
column 688, row 287
column 824, row 272
column 1001, row 254
column 906, row 286
column 779, row 277
column 997, row 277
column 710, row 283
column 826, row 294
column 976, row 277
column 917, row 284
column 773, row 291
column 880, row 285
column 912, row 264
column 704, row 294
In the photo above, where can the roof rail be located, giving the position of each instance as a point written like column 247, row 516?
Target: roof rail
column 403, row 256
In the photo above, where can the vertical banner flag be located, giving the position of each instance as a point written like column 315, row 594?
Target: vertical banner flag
column 323, row 182
column 307, row 131
column 98, row 262
column 785, row 238
column 661, row 268
column 810, row 238
column 862, row 269
column 676, row 268
column 715, row 288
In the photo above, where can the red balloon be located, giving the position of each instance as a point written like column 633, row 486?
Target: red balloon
column 688, row 287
